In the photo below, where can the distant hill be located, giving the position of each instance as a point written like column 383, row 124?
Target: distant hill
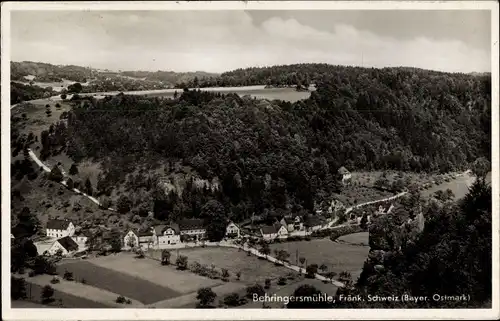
column 44, row 72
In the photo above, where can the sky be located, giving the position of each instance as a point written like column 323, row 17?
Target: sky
column 218, row 41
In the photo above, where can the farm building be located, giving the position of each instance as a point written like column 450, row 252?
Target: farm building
column 65, row 245
column 60, row 228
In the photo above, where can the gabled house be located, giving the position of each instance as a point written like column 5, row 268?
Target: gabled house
column 81, row 237
column 65, row 245
column 60, row 228
column 345, row 174
column 192, row 229
column 164, row 235
column 292, row 223
column 232, row 230
column 271, row 232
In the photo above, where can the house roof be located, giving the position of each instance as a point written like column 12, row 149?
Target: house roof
column 191, row 224
column 84, row 233
column 68, row 243
column 343, row 170
column 268, row 229
column 56, row 224
column 271, row 229
column 159, row 229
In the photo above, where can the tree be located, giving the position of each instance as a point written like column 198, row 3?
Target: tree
column 73, row 170
column 225, row 274
column 165, row 257
column 17, row 288
column 267, row 283
column 47, row 295
column 281, row 281
column 63, row 96
column 70, row 183
column 56, row 174
column 232, row 300
column 481, row 167
column 311, row 271
column 205, row 296
column 214, row 212
column 302, row 260
column 364, row 221
column 182, row 262
column 75, row 88
column 123, row 204
column 265, row 249
column 68, row 275
column 88, row 187
column 282, row 255
column 116, row 244
column 255, row 290
column 238, row 275
column 323, row 268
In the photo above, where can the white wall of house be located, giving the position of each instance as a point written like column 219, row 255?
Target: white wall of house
column 193, row 232
column 269, row 237
column 282, row 232
column 168, row 238
column 70, row 231
column 232, row 229
column 130, row 237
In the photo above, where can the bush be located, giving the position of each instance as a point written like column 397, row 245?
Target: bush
column 281, row 281
column 267, row 283
column 232, row 300
column 55, row 280
column 255, row 289
column 121, row 299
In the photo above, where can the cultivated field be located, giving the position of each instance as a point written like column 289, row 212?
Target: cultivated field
column 355, row 239
column 252, row 268
column 337, row 257
column 113, row 281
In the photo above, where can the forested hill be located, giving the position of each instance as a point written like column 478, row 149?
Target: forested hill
column 307, row 74
column 275, row 155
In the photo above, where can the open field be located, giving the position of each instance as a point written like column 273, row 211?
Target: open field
column 34, row 291
column 120, row 283
column 179, row 282
column 252, row 268
column 459, row 186
column 355, row 239
column 338, row 257
column 88, row 291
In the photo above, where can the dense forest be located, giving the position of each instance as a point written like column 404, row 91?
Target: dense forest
column 44, row 72
column 278, row 156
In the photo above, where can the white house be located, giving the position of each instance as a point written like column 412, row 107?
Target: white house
column 165, row 235
column 274, row 231
column 345, row 174
column 65, row 245
column 60, row 228
column 232, row 230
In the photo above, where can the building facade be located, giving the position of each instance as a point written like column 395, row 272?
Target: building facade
column 60, row 228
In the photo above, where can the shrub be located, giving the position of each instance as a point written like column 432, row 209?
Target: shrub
column 55, row 280
column 121, row 299
column 267, row 283
column 255, row 289
column 281, row 281
column 232, row 300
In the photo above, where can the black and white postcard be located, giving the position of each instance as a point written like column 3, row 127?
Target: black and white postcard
column 250, row 160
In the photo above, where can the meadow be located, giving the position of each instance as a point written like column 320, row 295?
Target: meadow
column 336, row 256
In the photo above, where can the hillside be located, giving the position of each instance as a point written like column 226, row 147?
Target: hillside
column 276, row 156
